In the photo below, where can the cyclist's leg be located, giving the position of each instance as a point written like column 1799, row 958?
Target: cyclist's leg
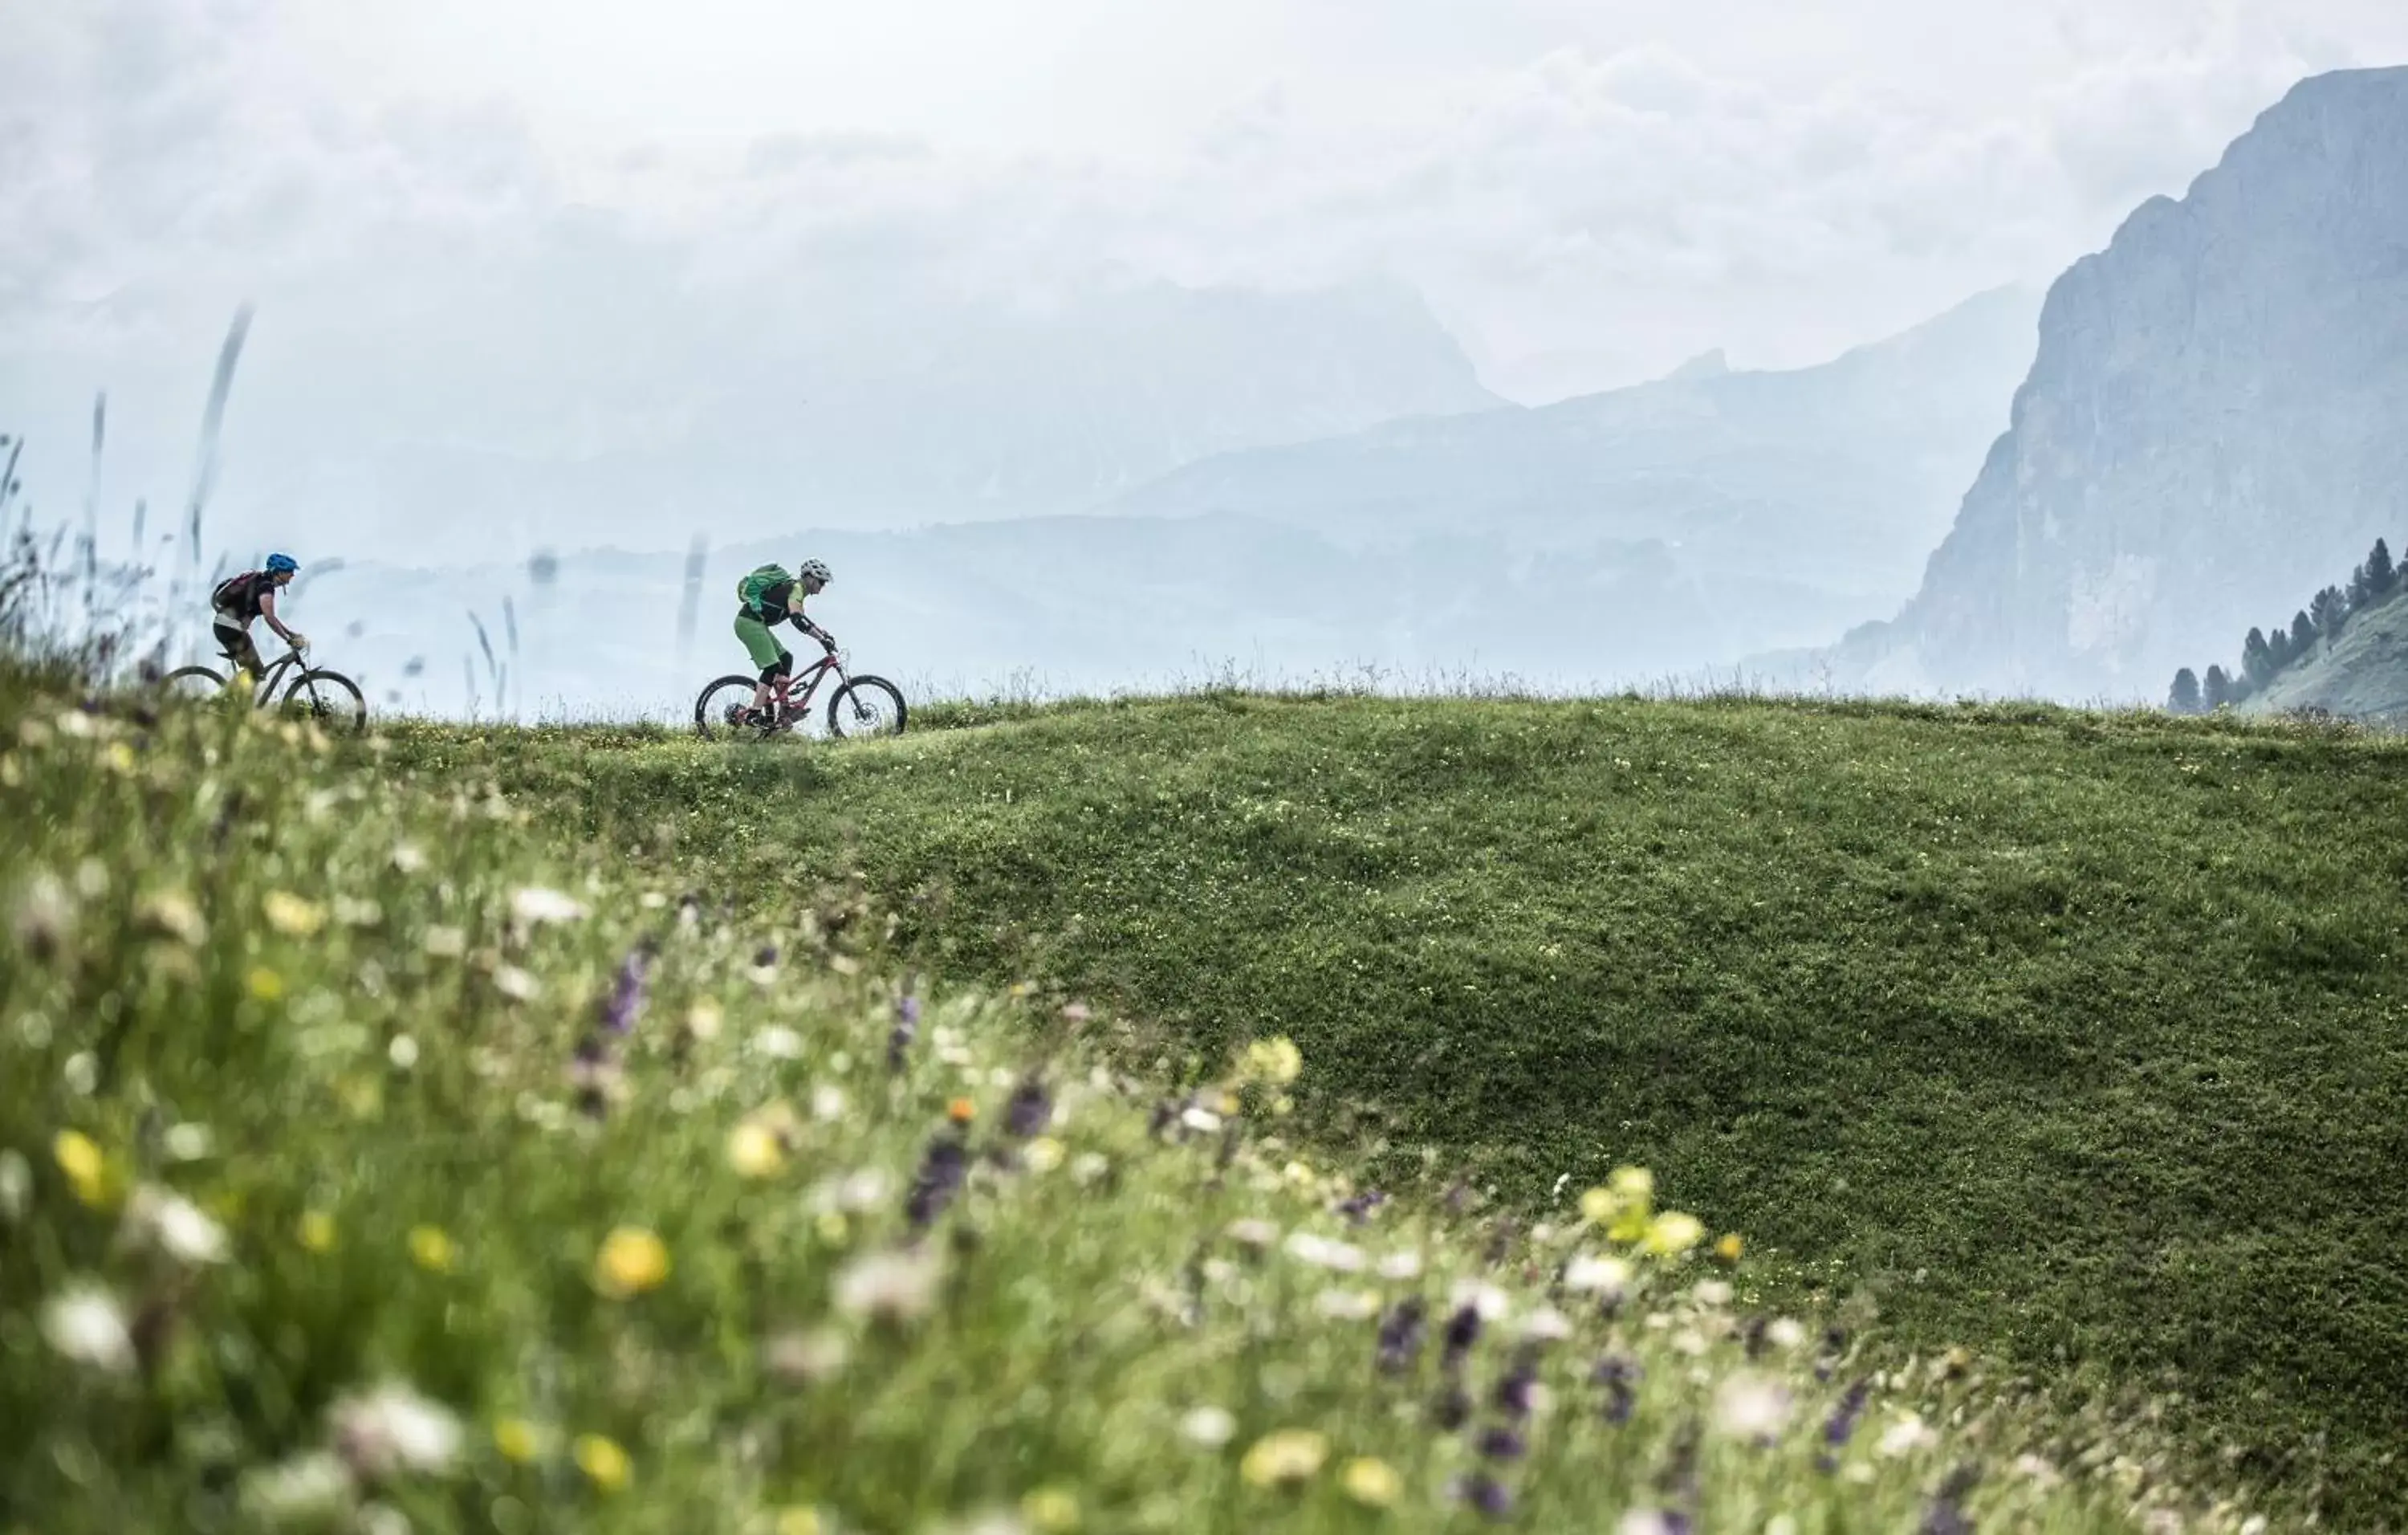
column 764, row 651
column 777, row 679
column 233, row 638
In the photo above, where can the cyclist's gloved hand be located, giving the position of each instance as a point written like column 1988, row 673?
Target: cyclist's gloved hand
column 300, row 640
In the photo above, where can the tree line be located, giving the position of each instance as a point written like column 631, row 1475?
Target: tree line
column 2266, row 653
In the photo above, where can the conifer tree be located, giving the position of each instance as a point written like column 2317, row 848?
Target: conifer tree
column 2217, row 691
column 2183, row 699
column 2329, row 612
column 2381, row 574
column 2303, row 636
column 2256, row 659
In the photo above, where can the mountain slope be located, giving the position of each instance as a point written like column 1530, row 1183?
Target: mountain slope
column 1839, row 474
column 2363, row 674
column 2212, row 425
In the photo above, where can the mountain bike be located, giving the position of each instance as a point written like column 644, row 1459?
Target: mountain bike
column 862, row 705
column 329, row 697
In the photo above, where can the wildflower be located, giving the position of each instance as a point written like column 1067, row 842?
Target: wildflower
column 86, row 1325
column 1730, row 1248
column 1751, row 1407
column 1905, row 1434
column 445, row 942
column 1373, row 1484
column 1209, row 1426
column 175, row 1226
column 516, row 985
column 1029, row 1110
column 1275, row 1060
column 626, row 1004
column 315, row 1231
column 1087, row 1166
column 1546, row 1325
column 1784, row 1332
column 1462, row 1331
column 357, row 911
column 310, row 1488
column 1487, row 1494
column 187, row 1142
column 961, row 1110
column 1648, row 1521
column 45, row 917
column 907, row 1029
column 801, row 1519
column 1517, row 1391
column 1620, row 1379
column 1253, row 1232
column 703, row 1019
column 1946, row 1514
column 1043, row 1155
column 534, row 905
column 632, row 1261
column 290, row 915
column 1502, row 1444
column 520, row 1441
column 888, row 1286
column 402, row 1053
column 1203, row 1121
column 1597, row 1275
column 1710, row 1293
column 2039, row 1470
column 1400, row 1335
column 827, row 1103
column 1324, row 1252
column 392, row 1429
column 1401, row 1265
column 938, row 1179
column 754, row 1150
column 407, row 858
column 1482, row 1297
column 1358, row 1209
column 79, row 1157
column 170, row 914
column 779, row 1044
column 800, row 1358
column 265, row 983
column 1346, row 1305
column 1672, row 1233
column 1284, row 1458
column 603, row 1463
column 430, row 1248
column 1051, row 1509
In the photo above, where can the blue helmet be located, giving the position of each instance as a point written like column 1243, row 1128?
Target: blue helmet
column 278, row 563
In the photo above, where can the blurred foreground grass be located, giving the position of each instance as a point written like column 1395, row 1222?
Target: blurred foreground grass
column 373, row 1160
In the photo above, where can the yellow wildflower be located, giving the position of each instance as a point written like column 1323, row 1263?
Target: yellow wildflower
column 290, row 915
column 265, row 984
column 754, row 1150
column 1283, row 1456
column 172, row 915
column 1275, row 1060
column 632, row 1260
column 833, row 1228
column 800, row 1520
column 1051, row 1509
column 961, row 1110
column 604, row 1462
column 317, row 1231
column 519, row 1441
column 1673, row 1232
column 1730, row 1247
column 79, row 1157
column 432, row 1249
column 1043, row 1155
column 1370, row 1482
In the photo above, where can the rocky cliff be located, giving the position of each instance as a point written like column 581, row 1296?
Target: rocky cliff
column 2217, row 419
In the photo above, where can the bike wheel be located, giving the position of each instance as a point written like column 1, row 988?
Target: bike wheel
column 866, row 706
column 715, row 711
column 329, row 697
column 194, row 684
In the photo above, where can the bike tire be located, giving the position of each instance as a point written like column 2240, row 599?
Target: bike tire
column 711, row 707
column 182, row 683
column 857, row 698
column 329, row 697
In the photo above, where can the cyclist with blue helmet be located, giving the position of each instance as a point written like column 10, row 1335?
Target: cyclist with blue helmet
column 251, row 595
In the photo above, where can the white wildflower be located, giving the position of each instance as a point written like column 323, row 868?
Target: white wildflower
column 1324, row 1252
column 1089, row 1166
column 535, row 905
column 445, row 942
column 1203, row 1121
column 1401, row 1265
column 516, row 984
column 45, row 914
column 1711, row 1292
column 800, row 1358
column 2040, row 1470
column 156, row 1217
column 392, row 1429
column 779, row 1044
column 1751, row 1407
column 1347, row 1305
column 380, row 1519
column 187, row 1142
column 1209, row 1426
column 402, row 1053
column 851, row 1193
column 1644, row 1521
column 1906, row 1435
column 889, row 1287
column 86, row 1325
column 407, row 858
column 827, row 1103
column 1252, row 1231
column 1593, row 1275
column 1546, row 1325
column 1785, row 1332
column 1486, row 1300
column 1689, row 1340
column 309, row 1488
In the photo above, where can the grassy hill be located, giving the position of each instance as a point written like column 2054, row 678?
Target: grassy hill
column 2363, row 674
column 381, row 1149
column 2079, row 1038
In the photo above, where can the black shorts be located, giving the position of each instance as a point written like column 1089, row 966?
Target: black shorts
column 234, row 640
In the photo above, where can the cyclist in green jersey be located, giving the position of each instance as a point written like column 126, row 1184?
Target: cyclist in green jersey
column 768, row 597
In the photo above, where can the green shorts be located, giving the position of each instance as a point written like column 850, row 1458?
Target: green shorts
column 759, row 642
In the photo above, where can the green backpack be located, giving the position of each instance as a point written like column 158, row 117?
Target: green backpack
column 749, row 589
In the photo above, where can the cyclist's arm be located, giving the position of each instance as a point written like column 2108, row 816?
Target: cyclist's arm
column 268, row 612
column 810, row 628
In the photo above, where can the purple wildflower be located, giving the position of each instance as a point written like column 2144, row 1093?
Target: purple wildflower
column 938, row 1181
column 1029, row 1110
column 1620, row 1378
column 625, row 1003
column 1487, row 1494
column 1462, row 1331
column 593, row 1073
column 907, row 1028
column 1503, row 1443
column 1358, row 1209
column 1400, row 1335
column 1513, row 1391
column 1841, row 1425
column 1946, row 1515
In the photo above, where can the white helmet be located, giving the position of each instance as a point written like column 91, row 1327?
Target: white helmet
column 813, row 571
